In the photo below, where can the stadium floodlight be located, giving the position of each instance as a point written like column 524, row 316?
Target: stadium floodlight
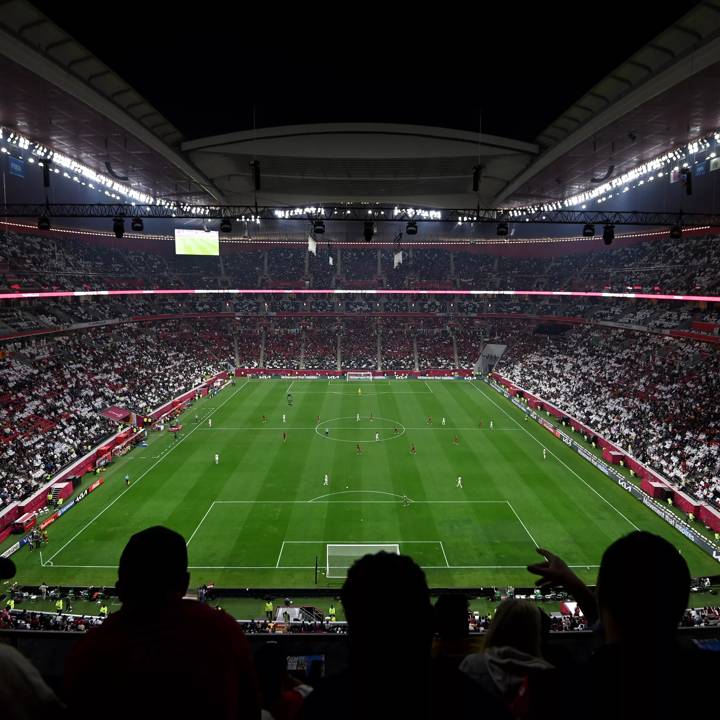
column 608, row 234
column 119, row 227
column 137, row 225
column 589, row 230
column 43, row 222
column 225, row 225
column 318, row 227
column 411, row 228
column 502, row 229
column 675, row 232
column 368, row 230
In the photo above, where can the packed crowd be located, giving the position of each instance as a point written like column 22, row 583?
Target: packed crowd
column 56, row 622
column 283, row 346
column 435, row 348
column 397, row 347
column 652, row 395
column 701, row 617
column 53, row 390
column 29, row 262
column 33, row 315
column 359, row 345
column 320, row 347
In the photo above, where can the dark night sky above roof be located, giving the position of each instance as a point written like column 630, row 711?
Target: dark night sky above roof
column 209, row 69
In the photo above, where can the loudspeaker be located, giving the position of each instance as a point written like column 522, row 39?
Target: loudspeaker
column 255, row 168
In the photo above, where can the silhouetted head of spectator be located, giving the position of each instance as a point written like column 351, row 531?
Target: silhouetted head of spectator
column 387, row 606
column 270, row 664
column 642, row 563
column 517, row 624
column 451, row 616
column 153, row 567
column 7, row 568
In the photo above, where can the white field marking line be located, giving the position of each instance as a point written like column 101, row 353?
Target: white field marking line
column 176, row 444
column 200, row 523
column 565, row 465
column 442, row 547
column 305, row 502
column 456, row 502
column 312, row 567
column 343, row 429
column 351, row 492
column 364, row 394
column 428, row 387
column 282, row 547
column 107, row 567
column 523, row 524
column 363, row 543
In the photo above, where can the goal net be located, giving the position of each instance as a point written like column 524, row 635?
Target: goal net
column 341, row 557
column 359, row 376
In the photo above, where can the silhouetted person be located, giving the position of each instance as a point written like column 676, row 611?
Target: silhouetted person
column 511, row 655
column 451, row 625
column 391, row 673
column 23, row 693
column 282, row 695
column 160, row 655
column 641, row 671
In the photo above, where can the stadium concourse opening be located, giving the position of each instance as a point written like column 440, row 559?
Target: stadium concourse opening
column 293, row 389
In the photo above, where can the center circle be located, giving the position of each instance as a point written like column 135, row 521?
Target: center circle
column 365, row 427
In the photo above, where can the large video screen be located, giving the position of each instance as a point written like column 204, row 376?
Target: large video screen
column 197, row 242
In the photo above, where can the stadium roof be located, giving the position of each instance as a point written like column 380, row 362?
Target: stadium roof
column 663, row 96
column 370, row 161
column 55, row 91
column 58, row 92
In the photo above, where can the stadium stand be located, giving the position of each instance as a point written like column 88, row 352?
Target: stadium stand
column 54, row 390
column 649, row 394
column 415, row 333
column 30, row 262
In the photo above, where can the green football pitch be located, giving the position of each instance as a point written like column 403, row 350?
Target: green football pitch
column 262, row 515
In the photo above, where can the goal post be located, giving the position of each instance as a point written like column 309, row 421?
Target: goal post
column 362, row 376
column 341, row 557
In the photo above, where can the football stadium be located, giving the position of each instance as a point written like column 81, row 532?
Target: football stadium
column 310, row 389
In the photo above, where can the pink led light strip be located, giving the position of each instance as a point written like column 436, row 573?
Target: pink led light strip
column 291, row 291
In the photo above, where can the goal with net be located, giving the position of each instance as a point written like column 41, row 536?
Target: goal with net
column 359, row 376
column 341, row 557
